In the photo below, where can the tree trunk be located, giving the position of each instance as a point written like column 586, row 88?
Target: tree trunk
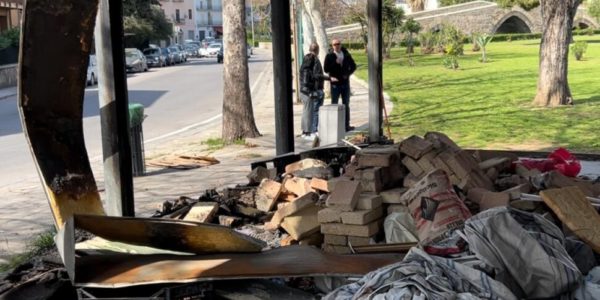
column 308, row 30
column 313, row 7
column 238, row 117
column 553, row 85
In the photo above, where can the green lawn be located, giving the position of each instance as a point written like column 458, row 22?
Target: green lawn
column 489, row 105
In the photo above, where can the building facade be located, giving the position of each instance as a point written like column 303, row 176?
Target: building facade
column 209, row 19
column 182, row 14
column 11, row 12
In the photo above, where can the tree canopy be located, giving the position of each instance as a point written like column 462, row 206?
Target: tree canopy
column 144, row 21
column 593, row 8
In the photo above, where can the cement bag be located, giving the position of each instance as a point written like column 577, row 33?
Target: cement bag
column 437, row 211
column 400, row 227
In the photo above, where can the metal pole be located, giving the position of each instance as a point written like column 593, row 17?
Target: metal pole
column 374, row 55
column 297, row 58
column 114, row 112
column 282, row 75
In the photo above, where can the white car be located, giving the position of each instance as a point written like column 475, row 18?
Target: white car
column 211, row 50
column 92, row 71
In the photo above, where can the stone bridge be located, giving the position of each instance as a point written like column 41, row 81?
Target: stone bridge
column 481, row 17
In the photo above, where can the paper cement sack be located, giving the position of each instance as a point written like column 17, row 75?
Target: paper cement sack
column 436, row 208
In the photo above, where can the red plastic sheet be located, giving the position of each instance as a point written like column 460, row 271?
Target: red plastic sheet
column 560, row 159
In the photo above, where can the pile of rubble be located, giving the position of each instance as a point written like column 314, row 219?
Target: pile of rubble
column 424, row 191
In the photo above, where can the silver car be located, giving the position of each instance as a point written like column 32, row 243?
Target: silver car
column 135, row 61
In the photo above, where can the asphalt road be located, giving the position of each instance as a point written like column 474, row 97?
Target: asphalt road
column 175, row 98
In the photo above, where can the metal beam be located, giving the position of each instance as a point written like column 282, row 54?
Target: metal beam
column 374, row 14
column 114, row 111
column 282, row 75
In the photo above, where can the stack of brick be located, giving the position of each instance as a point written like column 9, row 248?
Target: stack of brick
column 437, row 151
column 351, row 217
column 295, row 201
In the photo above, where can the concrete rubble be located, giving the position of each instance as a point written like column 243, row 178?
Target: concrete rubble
column 420, row 192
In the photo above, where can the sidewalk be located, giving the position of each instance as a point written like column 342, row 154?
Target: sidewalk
column 28, row 212
column 8, row 92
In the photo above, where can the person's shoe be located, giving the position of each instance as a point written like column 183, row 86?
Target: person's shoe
column 309, row 137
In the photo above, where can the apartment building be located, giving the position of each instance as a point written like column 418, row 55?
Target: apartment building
column 10, row 14
column 209, row 18
column 182, row 14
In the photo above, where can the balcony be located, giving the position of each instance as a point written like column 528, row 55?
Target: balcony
column 178, row 21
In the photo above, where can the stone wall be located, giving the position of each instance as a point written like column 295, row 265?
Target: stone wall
column 8, row 76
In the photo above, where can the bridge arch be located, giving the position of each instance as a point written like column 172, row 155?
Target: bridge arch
column 583, row 23
column 513, row 22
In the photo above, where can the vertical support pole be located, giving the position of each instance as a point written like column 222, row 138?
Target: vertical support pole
column 297, row 58
column 282, row 74
column 374, row 55
column 114, row 111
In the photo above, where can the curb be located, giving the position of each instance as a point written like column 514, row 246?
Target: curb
column 2, row 97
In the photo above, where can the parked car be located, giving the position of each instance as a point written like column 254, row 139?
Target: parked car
column 135, row 60
column 192, row 50
column 184, row 54
column 154, row 57
column 92, row 71
column 212, row 50
column 169, row 56
column 177, row 55
column 220, row 53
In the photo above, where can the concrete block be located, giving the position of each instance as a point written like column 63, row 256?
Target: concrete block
column 293, row 207
column 302, row 223
column 368, row 201
column 337, row 249
column 361, row 241
column 202, row 212
column 297, row 185
column 351, row 230
column 362, row 217
column 331, row 183
column 392, row 196
column 331, row 239
column 345, row 196
column 412, row 166
column 329, row 215
column 399, row 208
column 320, row 185
column 377, row 156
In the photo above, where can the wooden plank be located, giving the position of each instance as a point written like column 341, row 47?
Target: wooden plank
column 184, row 236
column 291, row 261
column 574, row 210
column 52, row 82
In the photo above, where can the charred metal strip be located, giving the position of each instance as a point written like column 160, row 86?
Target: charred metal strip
column 174, row 235
column 385, row 248
column 51, row 90
column 293, row 261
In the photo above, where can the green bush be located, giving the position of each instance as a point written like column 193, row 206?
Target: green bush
column 427, row 40
column 10, row 38
column 579, row 49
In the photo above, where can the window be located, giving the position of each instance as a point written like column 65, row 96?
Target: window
column 177, row 15
column 189, row 14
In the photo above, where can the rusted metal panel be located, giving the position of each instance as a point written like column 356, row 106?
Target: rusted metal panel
column 56, row 41
column 292, row 261
column 177, row 235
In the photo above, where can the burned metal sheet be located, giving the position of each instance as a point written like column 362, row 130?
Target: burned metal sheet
column 293, row 261
column 56, row 42
column 176, row 235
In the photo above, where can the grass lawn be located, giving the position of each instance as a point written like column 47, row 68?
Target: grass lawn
column 489, row 105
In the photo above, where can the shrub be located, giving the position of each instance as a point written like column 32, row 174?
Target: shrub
column 427, row 41
column 10, row 38
column 482, row 41
column 579, row 49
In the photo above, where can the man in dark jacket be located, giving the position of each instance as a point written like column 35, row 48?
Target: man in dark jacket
column 311, row 91
column 339, row 64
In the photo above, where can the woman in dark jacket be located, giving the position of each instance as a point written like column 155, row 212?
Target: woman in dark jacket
column 311, row 90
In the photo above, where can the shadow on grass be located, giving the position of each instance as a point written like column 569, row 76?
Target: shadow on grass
column 590, row 100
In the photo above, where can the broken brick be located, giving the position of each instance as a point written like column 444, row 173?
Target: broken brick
column 304, row 164
column 229, row 221
column 336, row 249
column 441, row 141
column 362, row 217
column 319, row 184
column 377, row 156
column 202, row 212
column 412, row 166
column 293, row 207
column 267, row 193
column 297, row 185
column 345, row 196
column 355, row 241
column 499, row 163
column 331, row 183
column 302, row 223
column 415, row 146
